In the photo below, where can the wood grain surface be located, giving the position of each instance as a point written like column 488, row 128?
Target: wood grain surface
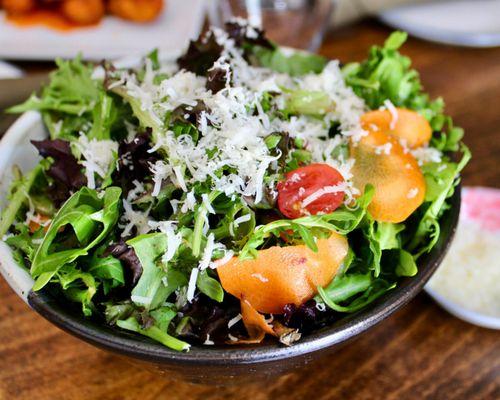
column 420, row 352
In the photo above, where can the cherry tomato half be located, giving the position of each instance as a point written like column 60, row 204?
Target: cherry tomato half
column 310, row 190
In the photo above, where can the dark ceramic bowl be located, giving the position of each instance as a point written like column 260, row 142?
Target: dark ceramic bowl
column 205, row 364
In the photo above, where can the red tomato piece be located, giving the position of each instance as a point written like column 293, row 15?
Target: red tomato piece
column 309, row 190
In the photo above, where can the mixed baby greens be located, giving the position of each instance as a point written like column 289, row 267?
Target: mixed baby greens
column 153, row 177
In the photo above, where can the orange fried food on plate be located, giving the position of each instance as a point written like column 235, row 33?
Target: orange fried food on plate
column 401, row 123
column 395, row 174
column 83, row 12
column 16, row 7
column 136, row 10
column 283, row 275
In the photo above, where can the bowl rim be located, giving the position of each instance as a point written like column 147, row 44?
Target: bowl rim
column 226, row 356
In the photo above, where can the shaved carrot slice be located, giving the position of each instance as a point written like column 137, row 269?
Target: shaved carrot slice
column 401, row 123
column 283, row 275
column 393, row 171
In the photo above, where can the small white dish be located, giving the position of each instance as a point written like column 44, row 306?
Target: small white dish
column 458, row 22
column 466, row 284
column 8, row 71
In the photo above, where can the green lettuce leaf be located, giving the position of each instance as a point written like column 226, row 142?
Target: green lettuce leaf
column 350, row 293
column 382, row 236
column 91, row 219
column 78, row 286
column 71, row 90
column 107, row 270
column 210, row 286
column 442, row 186
column 156, row 282
column 294, row 63
column 158, row 331
column 308, row 102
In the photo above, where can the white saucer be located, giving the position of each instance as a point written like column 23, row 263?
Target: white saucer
column 459, row 22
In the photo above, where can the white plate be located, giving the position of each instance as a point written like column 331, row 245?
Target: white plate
column 477, row 241
column 180, row 21
column 8, row 71
column 460, row 22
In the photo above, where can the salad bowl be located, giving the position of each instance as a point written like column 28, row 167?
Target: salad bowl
column 202, row 364
column 319, row 254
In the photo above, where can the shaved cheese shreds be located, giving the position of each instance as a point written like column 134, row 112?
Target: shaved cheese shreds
column 321, row 192
column 207, row 252
column 234, row 124
column 394, row 113
column 232, row 338
column 260, row 277
column 98, row 155
column 161, row 171
column 134, row 193
column 210, row 247
column 174, row 239
column 206, row 203
column 134, row 219
column 189, row 203
column 384, row 149
column 243, row 218
column 348, row 107
column 234, row 321
column 192, row 284
column 182, row 88
column 412, row 193
column 426, row 155
column 221, row 261
column 208, row 342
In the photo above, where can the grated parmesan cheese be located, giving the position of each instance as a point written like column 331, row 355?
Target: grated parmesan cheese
column 174, row 240
column 384, row 149
column 192, row 284
column 426, row 155
column 132, row 218
column 234, row 321
column 394, row 113
column 98, row 155
column 260, row 277
column 208, row 342
column 412, row 193
column 341, row 187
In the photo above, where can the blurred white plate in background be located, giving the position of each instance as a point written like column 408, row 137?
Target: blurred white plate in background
column 463, row 23
column 180, row 21
column 8, row 71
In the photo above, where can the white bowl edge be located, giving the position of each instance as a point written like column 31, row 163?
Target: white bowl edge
column 16, row 149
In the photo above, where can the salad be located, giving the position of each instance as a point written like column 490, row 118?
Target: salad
column 240, row 191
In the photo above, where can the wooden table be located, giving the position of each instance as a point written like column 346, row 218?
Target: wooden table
column 420, row 352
